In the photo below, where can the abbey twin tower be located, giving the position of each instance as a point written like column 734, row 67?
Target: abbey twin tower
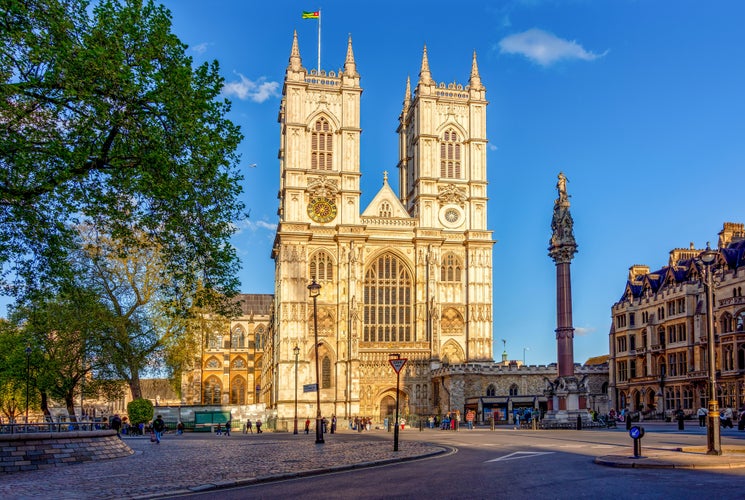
column 408, row 275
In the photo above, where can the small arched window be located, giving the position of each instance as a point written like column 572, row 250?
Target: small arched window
column 386, row 210
column 451, row 270
column 322, row 267
column 238, row 338
column 513, row 390
column 491, row 390
column 259, row 335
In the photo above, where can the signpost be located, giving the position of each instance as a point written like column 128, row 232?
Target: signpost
column 310, row 387
column 397, row 362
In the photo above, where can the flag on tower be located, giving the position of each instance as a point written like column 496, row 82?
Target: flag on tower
column 311, row 15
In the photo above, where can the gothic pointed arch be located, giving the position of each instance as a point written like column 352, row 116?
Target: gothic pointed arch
column 238, row 391
column 452, row 353
column 212, row 391
column 451, row 269
column 322, row 144
column 238, row 338
column 321, row 266
column 452, row 149
column 451, row 322
column 388, row 309
column 212, row 363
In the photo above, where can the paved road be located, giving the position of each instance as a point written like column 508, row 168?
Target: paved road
column 481, row 464
column 521, row 464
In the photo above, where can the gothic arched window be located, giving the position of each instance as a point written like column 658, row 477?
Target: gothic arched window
column 740, row 322
column 259, row 338
column 238, row 391
column 513, row 390
column 238, row 338
column 213, row 341
column 212, row 391
column 450, row 155
column 451, row 269
column 321, row 148
column 322, row 267
column 491, row 390
column 388, row 292
column 325, row 373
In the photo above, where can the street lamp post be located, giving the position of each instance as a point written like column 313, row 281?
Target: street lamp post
column 713, row 437
column 28, row 376
column 314, row 290
column 296, row 351
column 397, row 362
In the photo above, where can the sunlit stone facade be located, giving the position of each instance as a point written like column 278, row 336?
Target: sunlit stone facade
column 410, row 273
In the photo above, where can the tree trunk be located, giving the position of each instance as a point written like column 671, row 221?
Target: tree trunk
column 45, row 404
column 134, row 385
column 70, row 404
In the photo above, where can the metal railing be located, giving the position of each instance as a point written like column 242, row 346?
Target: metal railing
column 59, row 426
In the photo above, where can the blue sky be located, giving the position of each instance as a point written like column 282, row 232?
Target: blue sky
column 639, row 103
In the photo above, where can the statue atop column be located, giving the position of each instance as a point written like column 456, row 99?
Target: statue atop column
column 562, row 245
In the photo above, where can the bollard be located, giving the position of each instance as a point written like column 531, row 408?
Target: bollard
column 491, row 422
column 421, row 425
column 579, row 422
column 637, row 433
column 681, row 423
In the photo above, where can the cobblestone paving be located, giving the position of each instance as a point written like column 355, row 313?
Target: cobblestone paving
column 196, row 460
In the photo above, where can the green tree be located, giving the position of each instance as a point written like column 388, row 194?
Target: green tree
column 140, row 411
column 105, row 120
column 65, row 334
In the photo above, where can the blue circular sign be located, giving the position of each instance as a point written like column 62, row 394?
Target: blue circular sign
column 636, row 432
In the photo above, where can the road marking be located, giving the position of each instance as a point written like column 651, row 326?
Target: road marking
column 519, row 454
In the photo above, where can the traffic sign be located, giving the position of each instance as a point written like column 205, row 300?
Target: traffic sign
column 397, row 364
column 310, row 387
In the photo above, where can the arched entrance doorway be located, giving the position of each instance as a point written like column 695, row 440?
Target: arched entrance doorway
column 387, row 408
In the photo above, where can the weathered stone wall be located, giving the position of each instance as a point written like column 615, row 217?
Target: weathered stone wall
column 43, row 450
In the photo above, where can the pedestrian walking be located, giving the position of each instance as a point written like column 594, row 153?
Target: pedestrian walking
column 228, row 425
column 258, row 426
column 307, row 425
column 249, row 426
column 333, row 424
column 702, row 413
column 180, row 428
column 158, row 427
column 218, row 432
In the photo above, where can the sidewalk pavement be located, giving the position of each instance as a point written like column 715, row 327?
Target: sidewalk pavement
column 678, row 458
column 202, row 461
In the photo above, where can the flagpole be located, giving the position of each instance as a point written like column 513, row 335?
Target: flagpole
column 319, row 41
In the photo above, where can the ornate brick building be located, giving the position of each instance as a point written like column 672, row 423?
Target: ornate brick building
column 658, row 341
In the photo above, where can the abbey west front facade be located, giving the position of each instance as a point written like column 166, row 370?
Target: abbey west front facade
column 410, row 274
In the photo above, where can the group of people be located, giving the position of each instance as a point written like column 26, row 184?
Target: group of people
column 726, row 417
column 248, row 426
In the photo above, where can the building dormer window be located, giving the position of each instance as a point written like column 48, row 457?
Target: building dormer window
column 450, row 155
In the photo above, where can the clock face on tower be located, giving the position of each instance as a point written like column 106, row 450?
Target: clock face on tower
column 321, row 209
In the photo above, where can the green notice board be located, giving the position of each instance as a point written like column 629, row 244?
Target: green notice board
column 204, row 420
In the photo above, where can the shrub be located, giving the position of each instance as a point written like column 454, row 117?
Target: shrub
column 140, row 411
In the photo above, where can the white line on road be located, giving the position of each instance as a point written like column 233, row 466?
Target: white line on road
column 519, row 454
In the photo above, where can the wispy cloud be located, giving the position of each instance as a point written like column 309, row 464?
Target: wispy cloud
column 492, row 147
column 545, row 48
column 583, row 331
column 248, row 225
column 200, row 48
column 256, row 91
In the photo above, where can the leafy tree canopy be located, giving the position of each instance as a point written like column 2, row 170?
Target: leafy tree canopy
column 104, row 120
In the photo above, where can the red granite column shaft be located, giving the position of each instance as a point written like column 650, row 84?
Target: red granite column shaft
column 564, row 330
